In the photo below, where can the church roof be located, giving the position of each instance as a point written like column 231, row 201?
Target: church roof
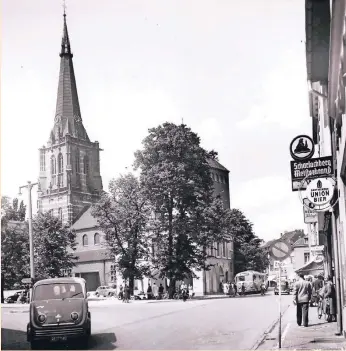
column 85, row 220
column 216, row 165
column 68, row 118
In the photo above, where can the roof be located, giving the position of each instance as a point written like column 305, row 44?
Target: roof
column 291, row 237
column 93, row 255
column 68, row 118
column 62, row 280
column 216, row 165
column 85, row 219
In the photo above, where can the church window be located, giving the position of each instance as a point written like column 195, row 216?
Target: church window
column 85, row 240
column 60, row 163
column 97, row 239
column 60, row 214
column 86, row 164
column 42, row 161
column 53, row 164
column 77, row 167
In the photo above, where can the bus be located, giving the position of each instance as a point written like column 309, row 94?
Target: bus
column 252, row 281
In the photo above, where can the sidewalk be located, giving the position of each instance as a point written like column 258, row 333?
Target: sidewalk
column 320, row 335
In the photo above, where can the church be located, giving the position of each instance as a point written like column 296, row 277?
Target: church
column 70, row 182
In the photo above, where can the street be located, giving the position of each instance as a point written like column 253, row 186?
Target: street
column 230, row 323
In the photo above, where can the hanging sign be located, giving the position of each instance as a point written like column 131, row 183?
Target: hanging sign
column 303, row 171
column 310, row 216
column 302, row 147
column 320, row 191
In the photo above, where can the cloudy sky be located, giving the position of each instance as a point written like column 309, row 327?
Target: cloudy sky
column 233, row 70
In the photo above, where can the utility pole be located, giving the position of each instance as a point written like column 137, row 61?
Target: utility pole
column 29, row 186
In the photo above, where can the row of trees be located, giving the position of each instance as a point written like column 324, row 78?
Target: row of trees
column 163, row 222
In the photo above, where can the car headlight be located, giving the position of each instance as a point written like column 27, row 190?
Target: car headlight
column 74, row 316
column 41, row 318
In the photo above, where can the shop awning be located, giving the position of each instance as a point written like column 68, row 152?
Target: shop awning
column 312, row 268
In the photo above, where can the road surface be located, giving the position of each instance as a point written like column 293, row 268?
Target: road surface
column 223, row 324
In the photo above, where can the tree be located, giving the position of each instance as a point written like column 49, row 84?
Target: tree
column 248, row 252
column 12, row 211
column 175, row 178
column 123, row 216
column 14, row 253
column 54, row 244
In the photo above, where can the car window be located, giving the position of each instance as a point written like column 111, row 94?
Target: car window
column 58, row 291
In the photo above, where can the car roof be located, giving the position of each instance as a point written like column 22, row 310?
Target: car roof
column 63, row 280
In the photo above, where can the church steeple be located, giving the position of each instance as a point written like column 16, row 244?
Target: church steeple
column 68, row 119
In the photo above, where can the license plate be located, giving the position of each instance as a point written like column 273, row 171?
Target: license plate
column 58, row 338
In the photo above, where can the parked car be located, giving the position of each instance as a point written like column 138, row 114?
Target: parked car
column 13, row 298
column 106, row 291
column 59, row 312
column 285, row 288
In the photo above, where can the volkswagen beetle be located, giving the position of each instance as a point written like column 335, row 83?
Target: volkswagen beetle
column 59, row 312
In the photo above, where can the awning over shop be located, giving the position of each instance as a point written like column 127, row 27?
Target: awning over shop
column 312, row 268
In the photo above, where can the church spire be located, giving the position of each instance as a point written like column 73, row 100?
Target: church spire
column 68, row 119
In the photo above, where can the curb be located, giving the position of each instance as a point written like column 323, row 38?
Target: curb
column 268, row 330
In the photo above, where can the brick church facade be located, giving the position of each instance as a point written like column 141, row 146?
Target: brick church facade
column 70, row 182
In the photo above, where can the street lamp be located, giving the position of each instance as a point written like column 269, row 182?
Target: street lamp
column 29, row 186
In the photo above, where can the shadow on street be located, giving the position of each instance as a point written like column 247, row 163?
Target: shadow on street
column 12, row 339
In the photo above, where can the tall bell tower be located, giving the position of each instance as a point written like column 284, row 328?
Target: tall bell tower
column 70, row 176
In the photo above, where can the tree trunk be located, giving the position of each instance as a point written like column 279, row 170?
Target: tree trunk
column 171, row 290
column 131, row 284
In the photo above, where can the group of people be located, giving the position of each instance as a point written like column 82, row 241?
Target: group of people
column 124, row 293
column 306, row 291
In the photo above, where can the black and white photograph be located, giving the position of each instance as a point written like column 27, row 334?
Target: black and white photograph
column 173, row 175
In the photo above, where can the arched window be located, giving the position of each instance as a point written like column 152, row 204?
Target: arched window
column 77, row 161
column 97, row 239
column 60, row 163
column 85, row 240
column 60, row 214
column 86, row 164
column 53, row 164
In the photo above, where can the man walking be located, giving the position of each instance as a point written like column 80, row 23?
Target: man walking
column 301, row 297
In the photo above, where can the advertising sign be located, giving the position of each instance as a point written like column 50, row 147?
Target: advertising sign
column 313, row 168
column 320, row 191
column 302, row 148
column 310, row 216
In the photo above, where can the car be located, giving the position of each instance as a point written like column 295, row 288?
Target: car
column 285, row 288
column 14, row 298
column 59, row 312
column 106, row 291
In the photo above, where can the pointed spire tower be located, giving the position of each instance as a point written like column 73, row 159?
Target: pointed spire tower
column 70, row 177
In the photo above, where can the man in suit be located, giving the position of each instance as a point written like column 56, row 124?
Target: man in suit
column 301, row 297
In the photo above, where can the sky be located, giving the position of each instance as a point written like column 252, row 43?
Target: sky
column 233, row 71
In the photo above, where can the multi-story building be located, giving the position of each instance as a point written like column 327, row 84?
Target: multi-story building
column 326, row 71
column 70, row 182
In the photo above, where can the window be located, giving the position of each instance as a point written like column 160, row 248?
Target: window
column 67, row 272
column 86, row 165
column 113, row 273
column 218, row 249
column 60, row 214
column 53, row 165
column 306, row 257
column 212, row 250
column 97, row 239
column 77, row 165
column 60, row 163
column 42, row 161
column 224, row 246
column 306, row 241
column 217, row 178
column 85, row 240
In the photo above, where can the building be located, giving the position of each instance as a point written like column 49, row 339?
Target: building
column 69, row 176
column 326, row 72
column 70, row 182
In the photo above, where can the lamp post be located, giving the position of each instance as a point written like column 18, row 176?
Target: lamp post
column 29, row 186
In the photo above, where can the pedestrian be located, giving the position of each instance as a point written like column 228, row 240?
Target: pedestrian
column 121, row 292
column 301, row 297
column 191, row 292
column 161, row 289
column 149, row 292
column 243, row 289
column 155, row 291
column 126, row 294
column 330, row 299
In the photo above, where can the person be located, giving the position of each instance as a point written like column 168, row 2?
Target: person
column 184, row 291
column 161, row 289
column 121, row 292
column 330, row 299
column 126, row 294
column 301, row 298
column 263, row 288
column 191, row 292
column 317, row 285
column 243, row 289
column 155, row 291
column 149, row 292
